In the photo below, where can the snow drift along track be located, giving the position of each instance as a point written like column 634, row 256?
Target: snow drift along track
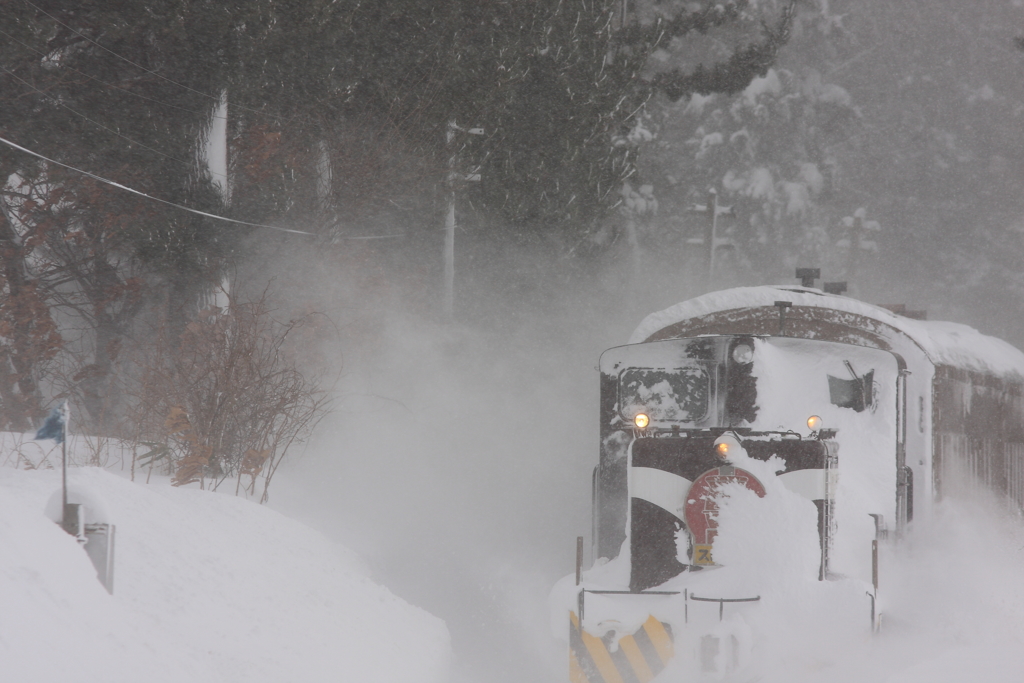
column 208, row 588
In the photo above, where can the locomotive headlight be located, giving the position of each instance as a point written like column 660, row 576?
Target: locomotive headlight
column 641, row 420
column 814, row 423
column 743, row 353
column 728, row 446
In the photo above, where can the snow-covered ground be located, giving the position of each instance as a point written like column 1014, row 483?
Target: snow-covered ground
column 464, row 481
column 207, row 587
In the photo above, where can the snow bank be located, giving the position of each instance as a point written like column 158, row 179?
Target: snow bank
column 943, row 342
column 207, row 587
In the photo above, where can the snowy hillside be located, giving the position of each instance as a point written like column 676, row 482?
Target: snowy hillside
column 207, row 588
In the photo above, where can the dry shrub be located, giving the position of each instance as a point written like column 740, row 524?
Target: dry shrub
column 225, row 399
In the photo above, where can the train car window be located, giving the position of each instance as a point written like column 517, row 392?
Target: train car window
column 856, row 393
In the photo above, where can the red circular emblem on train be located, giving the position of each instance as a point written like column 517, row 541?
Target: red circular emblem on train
column 701, row 510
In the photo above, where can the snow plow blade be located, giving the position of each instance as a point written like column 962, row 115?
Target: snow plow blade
column 637, row 658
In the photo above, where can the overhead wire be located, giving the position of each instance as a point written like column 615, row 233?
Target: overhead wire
column 150, row 71
column 213, row 116
column 150, row 197
column 105, row 49
column 168, row 80
column 109, row 84
column 281, row 119
column 100, row 125
column 132, row 190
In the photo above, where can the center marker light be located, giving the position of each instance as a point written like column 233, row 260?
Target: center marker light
column 728, row 445
column 641, row 420
column 743, row 353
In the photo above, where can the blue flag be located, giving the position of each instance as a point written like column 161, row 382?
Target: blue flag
column 53, row 428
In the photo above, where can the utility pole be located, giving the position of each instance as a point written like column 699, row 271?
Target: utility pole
column 449, row 222
column 711, row 233
column 711, row 241
column 855, row 226
column 859, row 235
column 449, row 229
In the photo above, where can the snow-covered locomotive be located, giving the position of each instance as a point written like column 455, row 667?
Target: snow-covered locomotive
column 757, row 440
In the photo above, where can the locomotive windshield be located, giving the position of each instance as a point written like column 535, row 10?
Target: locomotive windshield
column 764, row 384
column 669, row 395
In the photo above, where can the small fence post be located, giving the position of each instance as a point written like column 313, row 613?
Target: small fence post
column 579, row 558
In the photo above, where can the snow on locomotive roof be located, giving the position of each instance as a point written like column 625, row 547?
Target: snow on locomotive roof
column 945, row 343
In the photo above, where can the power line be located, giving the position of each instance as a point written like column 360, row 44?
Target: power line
column 146, row 196
column 97, row 123
column 139, row 66
column 128, row 91
column 185, row 208
column 372, row 237
column 140, row 144
column 107, row 83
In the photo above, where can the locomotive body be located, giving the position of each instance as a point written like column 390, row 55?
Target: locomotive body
column 766, row 435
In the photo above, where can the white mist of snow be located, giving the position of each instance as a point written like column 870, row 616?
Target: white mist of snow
column 952, row 609
column 459, row 458
column 463, row 477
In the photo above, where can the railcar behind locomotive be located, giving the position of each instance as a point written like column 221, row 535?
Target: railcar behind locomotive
column 761, row 435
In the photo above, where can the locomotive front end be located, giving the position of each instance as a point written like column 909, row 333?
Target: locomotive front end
column 719, row 483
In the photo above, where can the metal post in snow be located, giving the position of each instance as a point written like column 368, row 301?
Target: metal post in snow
column 874, row 564
column 64, row 458
column 70, row 515
column 579, row 558
column 64, row 475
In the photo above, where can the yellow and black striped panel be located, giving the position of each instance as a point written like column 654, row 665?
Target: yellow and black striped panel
column 637, row 659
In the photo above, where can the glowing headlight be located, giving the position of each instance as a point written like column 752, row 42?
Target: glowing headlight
column 814, row 423
column 743, row 353
column 641, row 420
column 728, row 446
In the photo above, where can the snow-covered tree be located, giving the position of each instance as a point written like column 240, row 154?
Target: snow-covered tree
column 769, row 154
